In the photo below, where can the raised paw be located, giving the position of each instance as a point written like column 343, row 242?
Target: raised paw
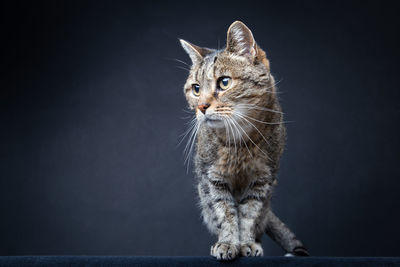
column 224, row 251
column 251, row 249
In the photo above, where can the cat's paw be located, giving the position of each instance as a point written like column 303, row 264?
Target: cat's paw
column 224, row 251
column 251, row 249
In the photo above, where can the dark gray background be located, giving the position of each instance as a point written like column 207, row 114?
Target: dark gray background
column 91, row 108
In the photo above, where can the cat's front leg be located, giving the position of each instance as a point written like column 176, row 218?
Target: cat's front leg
column 252, row 208
column 219, row 206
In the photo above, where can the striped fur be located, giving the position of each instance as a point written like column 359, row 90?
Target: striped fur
column 239, row 140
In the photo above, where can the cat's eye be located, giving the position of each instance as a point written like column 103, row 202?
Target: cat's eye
column 224, row 83
column 196, row 89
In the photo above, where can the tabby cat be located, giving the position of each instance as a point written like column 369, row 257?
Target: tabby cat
column 240, row 136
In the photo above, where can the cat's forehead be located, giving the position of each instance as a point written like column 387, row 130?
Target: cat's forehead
column 215, row 63
column 205, row 69
column 211, row 58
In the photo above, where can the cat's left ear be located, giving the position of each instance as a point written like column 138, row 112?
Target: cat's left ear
column 240, row 40
column 195, row 52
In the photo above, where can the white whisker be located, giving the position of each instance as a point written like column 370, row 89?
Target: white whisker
column 179, row 67
column 183, row 62
column 193, row 138
column 264, row 122
column 236, row 149
column 191, row 126
column 180, row 61
column 252, row 140
column 242, row 117
column 185, row 118
column 188, row 111
column 233, row 137
column 253, row 106
column 236, row 125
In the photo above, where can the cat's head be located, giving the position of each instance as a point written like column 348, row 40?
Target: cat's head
column 228, row 82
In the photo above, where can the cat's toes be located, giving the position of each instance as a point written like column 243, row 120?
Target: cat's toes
column 251, row 249
column 224, row 251
column 300, row 251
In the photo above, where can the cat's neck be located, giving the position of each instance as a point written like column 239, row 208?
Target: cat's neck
column 239, row 133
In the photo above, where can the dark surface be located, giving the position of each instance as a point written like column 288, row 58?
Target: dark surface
column 192, row 261
column 91, row 104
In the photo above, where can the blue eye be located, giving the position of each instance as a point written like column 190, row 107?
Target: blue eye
column 224, row 83
column 196, row 89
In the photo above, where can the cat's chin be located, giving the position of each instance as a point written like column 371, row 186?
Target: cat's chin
column 214, row 123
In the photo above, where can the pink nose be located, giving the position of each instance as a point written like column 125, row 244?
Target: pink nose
column 203, row 107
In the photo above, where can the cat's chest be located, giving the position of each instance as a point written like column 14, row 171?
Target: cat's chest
column 238, row 161
column 240, row 164
column 239, row 168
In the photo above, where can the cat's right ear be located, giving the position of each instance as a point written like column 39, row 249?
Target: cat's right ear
column 195, row 52
column 240, row 40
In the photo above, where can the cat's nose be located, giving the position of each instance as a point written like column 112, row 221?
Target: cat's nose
column 203, row 107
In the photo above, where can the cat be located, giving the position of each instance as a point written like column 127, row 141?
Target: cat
column 239, row 133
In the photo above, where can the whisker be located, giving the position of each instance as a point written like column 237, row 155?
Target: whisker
column 191, row 121
column 240, row 115
column 179, row 67
column 272, row 86
column 234, row 142
column 185, row 118
column 241, row 137
column 234, row 139
column 180, row 61
column 264, row 122
column 236, row 149
column 190, row 128
column 183, row 62
column 253, row 106
column 252, row 140
column 278, row 82
column 192, row 133
column 189, row 155
column 227, row 136
column 188, row 111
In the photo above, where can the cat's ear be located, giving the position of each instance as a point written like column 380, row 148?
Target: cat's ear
column 195, row 52
column 240, row 40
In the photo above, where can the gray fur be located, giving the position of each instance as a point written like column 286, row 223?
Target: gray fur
column 239, row 140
